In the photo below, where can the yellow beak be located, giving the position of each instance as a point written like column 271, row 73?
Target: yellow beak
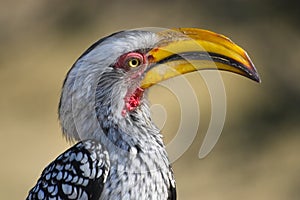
column 185, row 50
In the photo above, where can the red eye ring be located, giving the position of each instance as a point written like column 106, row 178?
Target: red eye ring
column 130, row 60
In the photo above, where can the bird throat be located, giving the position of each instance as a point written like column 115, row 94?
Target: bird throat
column 132, row 100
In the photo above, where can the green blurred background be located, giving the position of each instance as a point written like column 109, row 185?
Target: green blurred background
column 257, row 156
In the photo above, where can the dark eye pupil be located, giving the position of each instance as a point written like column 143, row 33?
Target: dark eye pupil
column 134, row 62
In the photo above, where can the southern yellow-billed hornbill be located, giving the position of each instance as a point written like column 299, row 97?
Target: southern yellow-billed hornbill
column 120, row 153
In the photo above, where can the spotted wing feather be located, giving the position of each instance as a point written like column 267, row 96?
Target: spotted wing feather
column 78, row 173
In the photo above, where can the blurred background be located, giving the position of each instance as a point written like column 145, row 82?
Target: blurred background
column 257, row 156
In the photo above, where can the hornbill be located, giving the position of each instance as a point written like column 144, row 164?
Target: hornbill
column 120, row 153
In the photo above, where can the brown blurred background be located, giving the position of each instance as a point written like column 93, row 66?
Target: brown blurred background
column 257, row 156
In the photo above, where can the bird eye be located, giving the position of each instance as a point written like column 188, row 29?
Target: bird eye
column 130, row 60
column 134, row 62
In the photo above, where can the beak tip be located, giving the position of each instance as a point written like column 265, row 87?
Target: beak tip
column 253, row 74
column 256, row 78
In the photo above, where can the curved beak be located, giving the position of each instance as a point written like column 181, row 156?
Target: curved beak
column 186, row 50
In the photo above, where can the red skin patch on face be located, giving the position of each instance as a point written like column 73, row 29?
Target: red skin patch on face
column 133, row 101
column 150, row 58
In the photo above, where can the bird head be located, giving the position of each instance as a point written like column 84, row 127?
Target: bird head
column 106, row 86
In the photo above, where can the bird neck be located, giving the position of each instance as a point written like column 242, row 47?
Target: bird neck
column 132, row 129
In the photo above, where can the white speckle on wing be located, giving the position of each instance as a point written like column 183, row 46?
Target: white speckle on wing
column 79, row 156
column 59, row 176
column 67, row 189
column 41, row 194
